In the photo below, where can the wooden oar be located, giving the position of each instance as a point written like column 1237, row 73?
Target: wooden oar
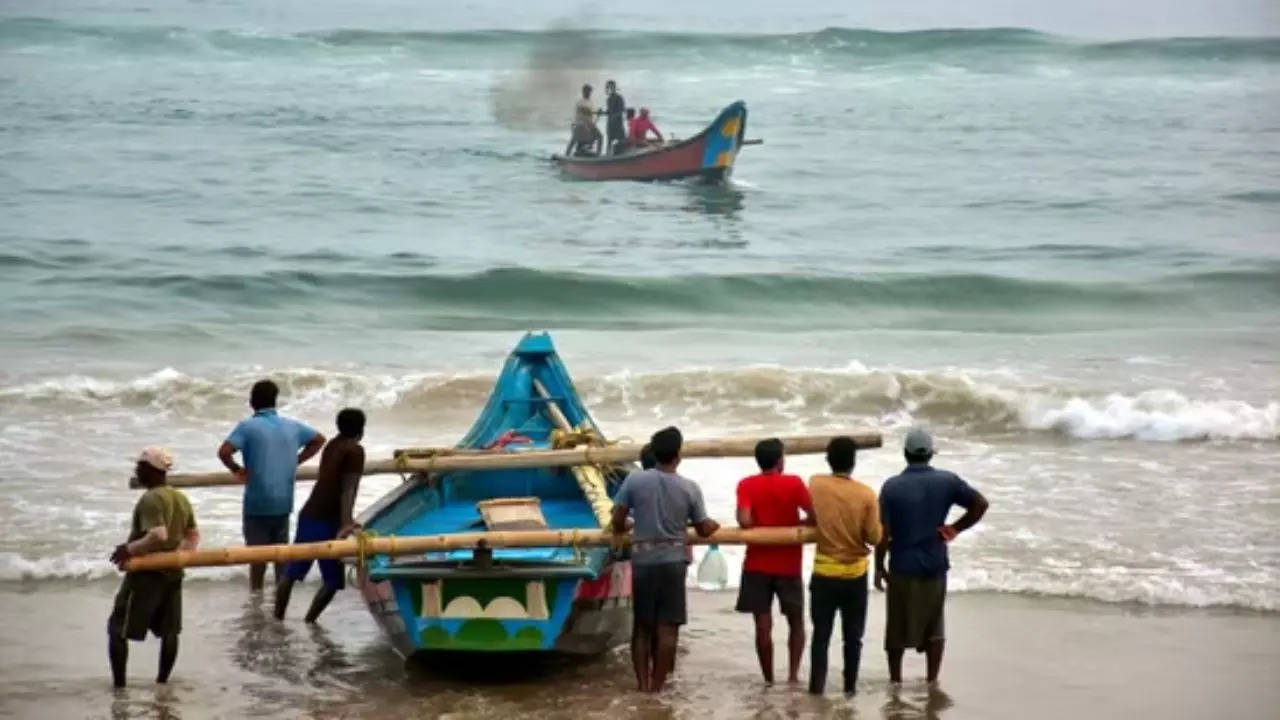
column 350, row 547
column 413, row 460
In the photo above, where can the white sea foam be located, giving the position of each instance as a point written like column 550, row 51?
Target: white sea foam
column 970, row 400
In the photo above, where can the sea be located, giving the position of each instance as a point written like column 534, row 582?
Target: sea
column 1059, row 253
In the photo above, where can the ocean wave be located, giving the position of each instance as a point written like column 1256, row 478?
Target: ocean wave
column 516, row 297
column 970, row 401
column 17, row 33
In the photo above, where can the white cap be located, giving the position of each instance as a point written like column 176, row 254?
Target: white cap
column 158, row 458
column 918, row 442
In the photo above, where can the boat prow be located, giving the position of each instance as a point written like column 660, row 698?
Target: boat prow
column 555, row 599
column 709, row 155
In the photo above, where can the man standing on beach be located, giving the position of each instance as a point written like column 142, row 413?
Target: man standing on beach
column 269, row 446
column 913, row 511
column 848, row 521
column 664, row 504
column 773, row 499
column 151, row 599
column 328, row 513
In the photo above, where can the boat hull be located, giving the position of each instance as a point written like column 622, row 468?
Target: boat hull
column 503, row 600
column 709, row 156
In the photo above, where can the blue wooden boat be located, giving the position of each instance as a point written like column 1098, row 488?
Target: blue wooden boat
column 553, row 599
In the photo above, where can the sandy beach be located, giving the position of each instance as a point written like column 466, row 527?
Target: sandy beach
column 1008, row 656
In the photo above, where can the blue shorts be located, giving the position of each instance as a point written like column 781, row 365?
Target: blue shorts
column 312, row 530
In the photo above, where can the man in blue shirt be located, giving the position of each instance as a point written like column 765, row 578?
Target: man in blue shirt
column 913, row 510
column 269, row 446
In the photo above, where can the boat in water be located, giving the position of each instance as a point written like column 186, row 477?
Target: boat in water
column 709, row 155
column 553, row 599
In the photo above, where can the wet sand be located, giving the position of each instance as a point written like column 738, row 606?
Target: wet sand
column 1008, row 657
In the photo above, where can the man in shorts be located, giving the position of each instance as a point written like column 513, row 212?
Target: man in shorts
column 772, row 498
column 663, row 505
column 269, row 446
column 328, row 514
column 151, row 599
column 913, row 513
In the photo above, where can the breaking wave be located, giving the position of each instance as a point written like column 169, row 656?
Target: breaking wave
column 972, row 401
column 834, row 42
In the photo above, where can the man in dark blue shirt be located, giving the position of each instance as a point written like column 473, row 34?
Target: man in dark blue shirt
column 913, row 510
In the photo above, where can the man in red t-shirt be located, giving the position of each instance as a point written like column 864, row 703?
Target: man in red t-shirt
column 772, row 499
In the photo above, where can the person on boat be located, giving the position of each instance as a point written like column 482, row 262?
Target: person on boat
column 663, row 504
column 848, row 520
column 584, row 138
column 772, row 498
column 151, row 599
column 639, row 129
column 913, row 514
column 328, row 513
column 615, row 127
column 271, row 447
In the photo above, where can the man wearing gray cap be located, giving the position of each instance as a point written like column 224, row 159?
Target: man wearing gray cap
column 913, row 510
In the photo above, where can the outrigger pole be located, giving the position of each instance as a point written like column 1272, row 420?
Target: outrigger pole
column 431, row 460
column 363, row 545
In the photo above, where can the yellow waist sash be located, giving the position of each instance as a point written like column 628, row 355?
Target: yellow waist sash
column 827, row 566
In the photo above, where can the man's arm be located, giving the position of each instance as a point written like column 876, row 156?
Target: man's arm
column 973, row 513
column 871, row 530
column 805, row 502
column 350, row 482
column 882, row 547
column 619, row 523
column 703, row 525
column 226, row 453
column 190, row 541
column 743, row 513
column 313, row 446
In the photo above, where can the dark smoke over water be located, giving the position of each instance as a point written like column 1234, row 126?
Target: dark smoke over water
column 540, row 97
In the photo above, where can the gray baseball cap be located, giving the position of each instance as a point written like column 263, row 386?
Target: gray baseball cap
column 918, row 442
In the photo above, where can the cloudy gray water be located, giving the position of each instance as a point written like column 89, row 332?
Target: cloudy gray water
column 1062, row 254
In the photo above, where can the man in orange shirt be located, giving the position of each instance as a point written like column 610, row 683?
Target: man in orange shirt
column 848, row 520
column 772, row 499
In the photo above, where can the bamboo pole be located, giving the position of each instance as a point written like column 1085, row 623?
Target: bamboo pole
column 395, row 546
column 409, row 461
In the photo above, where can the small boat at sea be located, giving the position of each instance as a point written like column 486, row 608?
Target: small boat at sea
column 574, row 600
column 709, row 155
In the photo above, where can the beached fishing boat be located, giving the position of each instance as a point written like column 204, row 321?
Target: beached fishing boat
column 554, row 599
column 709, row 155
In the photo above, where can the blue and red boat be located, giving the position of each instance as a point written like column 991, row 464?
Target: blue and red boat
column 553, row 599
column 709, row 155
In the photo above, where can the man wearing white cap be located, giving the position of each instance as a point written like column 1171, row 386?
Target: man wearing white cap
column 152, row 599
column 913, row 511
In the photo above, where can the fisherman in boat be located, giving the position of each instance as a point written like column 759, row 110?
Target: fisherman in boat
column 639, row 128
column 271, row 447
column 614, row 107
column 772, row 498
column 664, row 504
column 585, row 138
column 328, row 514
column 151, row 599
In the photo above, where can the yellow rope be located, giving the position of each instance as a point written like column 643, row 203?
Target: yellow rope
column 362, row 547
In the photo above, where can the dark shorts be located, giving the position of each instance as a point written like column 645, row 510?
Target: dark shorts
column 913, row 611
column 756, row 591
column 659, row 593
column 147, row 601
column 266, row 529
column 313, row 530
